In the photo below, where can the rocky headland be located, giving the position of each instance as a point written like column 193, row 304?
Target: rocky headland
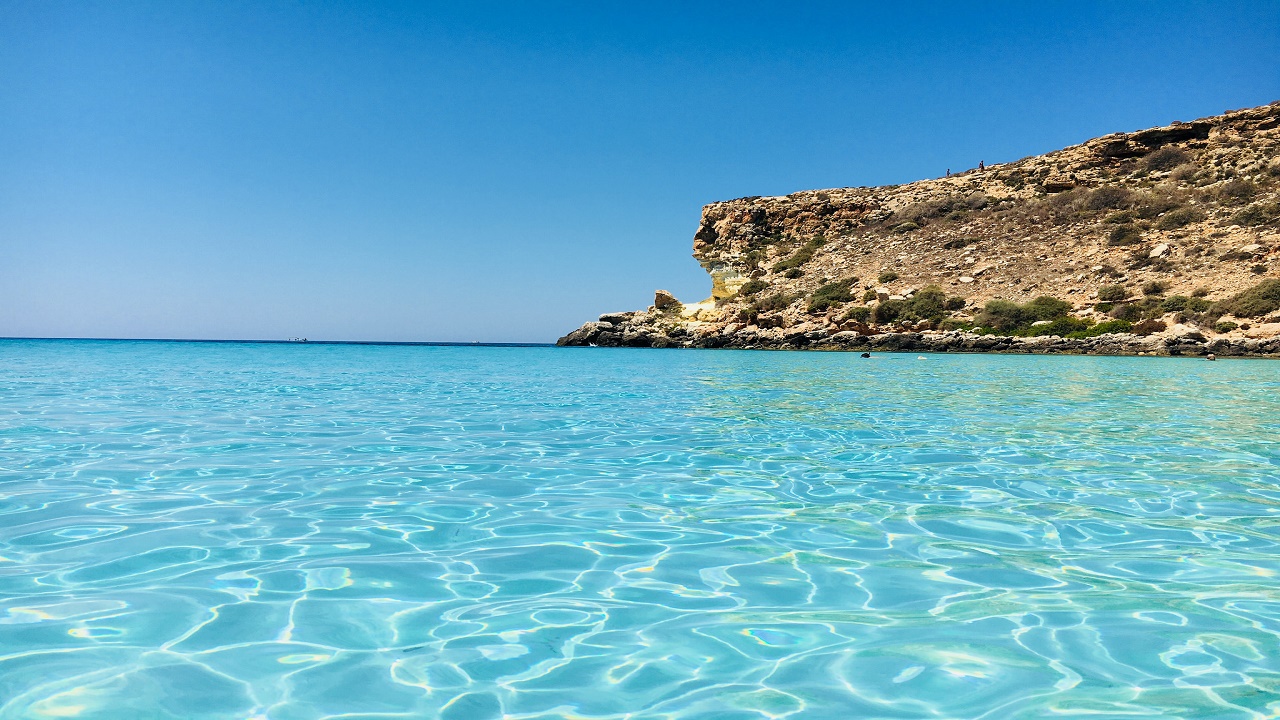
column 1164, row 241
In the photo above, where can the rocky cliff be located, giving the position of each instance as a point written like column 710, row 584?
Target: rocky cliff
column 1163, row 240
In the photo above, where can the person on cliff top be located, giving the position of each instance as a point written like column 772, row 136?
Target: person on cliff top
column 981, row 166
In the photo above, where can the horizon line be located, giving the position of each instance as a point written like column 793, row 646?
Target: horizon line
column 303, row 341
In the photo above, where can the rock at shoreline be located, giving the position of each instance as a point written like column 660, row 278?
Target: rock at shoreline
column 664, row 300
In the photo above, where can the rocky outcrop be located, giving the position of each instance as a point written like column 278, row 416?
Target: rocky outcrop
column 1189, row 211
column 1189, row 343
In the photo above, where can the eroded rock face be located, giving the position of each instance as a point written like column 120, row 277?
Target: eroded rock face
column 664, row 300
column 1193, row 208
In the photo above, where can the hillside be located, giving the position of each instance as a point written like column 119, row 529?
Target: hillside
column 1167, row 236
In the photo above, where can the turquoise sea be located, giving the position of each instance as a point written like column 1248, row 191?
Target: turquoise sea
column 287, row 531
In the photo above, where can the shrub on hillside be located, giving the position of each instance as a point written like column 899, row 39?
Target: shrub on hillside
column 801, row 256
column 1147, row 327
column 1257, row 214
column 930, row 303
column 1257, row 301
column 1102, row 328
column 833, row 293
column 1237, row 192
column 887, row 276
column 1108, row 197
column 1125, row 234
column 771, row 303
column 1181, row 303
column 1154, row 287
column 751, row 287
column 1180, row 217
column 1112, row 293
column 860, row 313
column 1007, row 316
column 1129, row 312
column 1166, row 158
column 888, row 311
column 1154, row 204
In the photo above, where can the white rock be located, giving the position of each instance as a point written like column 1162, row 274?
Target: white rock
column 966, row 279
column 1159, row 251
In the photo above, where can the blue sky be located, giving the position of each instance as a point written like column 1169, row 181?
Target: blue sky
column 506, row 171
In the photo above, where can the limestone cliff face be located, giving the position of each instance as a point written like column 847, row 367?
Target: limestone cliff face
column 1191, row 210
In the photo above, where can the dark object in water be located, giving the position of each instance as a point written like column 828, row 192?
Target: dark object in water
column 866, row 355
column 1210, row 356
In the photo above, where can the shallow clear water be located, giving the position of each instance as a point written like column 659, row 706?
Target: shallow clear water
column 303, row 531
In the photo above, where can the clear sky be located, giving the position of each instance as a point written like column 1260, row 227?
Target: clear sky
column 506, row 171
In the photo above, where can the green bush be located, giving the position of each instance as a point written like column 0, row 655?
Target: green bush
column 1104, row 307
column 1121, row 218
column 1225, row 326
column 1181, row 217
column 1127, row 234
column 1128, row 312
column 955, row 303
column 1257, row 301
column 1154, row 287
column 869, row 295
column 771, row 303
column 801, row 256
column 888, row 311
column 1102, row 328
column 833, row 293
column 1006, row 316
column 887, row 276
column 751, row 287
column 793, row 273
column 1200, row 292
column 1112, row 293
column 860, row 313
column 1182, row 303
column 929, row 303
column 954, row 324
column 905, row 227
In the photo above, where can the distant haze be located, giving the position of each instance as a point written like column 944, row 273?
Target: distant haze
column 495, row 172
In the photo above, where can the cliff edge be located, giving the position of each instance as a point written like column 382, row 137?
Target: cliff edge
column 1161, row 241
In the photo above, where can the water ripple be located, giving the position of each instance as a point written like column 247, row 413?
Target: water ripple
column 290, row 532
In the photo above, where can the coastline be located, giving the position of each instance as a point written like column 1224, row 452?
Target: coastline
column 1164, row 241
column 1191, row 344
